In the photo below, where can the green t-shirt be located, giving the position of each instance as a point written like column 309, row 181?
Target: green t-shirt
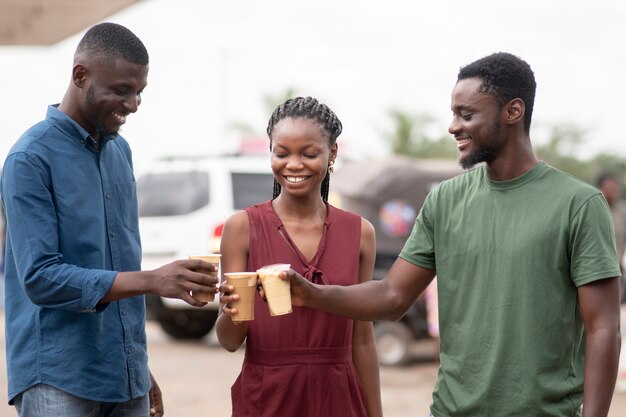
column 509, row 256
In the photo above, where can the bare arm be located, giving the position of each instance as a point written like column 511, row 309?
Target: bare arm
column 234, row 249
column 156, row 399
column 387, row 299
column 600, row 308
column 174, row 280
column 364, row 354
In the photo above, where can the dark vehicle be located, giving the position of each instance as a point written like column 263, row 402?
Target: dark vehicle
column 390, row 193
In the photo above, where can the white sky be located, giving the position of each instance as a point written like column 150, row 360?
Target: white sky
column 214, row 62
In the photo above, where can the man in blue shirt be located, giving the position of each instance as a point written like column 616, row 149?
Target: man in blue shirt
column 75, row 315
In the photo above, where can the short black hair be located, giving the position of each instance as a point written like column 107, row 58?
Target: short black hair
column 505, row 77
column 308, row 108
column 107, row 41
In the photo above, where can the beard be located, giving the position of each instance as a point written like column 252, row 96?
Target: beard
column 99, row 128
column 483, row 154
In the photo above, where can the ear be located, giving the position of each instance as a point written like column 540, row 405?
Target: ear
column 514, row 111
column 333, row 153
column 79, row 75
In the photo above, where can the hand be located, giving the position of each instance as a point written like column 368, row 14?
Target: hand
column 156, row 399
column 179, row 278
column 300, row 287
column 226, row 300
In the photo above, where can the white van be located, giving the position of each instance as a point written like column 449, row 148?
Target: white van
column 183, row 203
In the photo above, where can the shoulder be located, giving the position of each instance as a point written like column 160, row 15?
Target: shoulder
column 31, row 139
column 238, row 221
column 368, row 233
column 562, row 185
column 343, row 215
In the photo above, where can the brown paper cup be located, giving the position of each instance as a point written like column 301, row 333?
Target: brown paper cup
column 213, row 259
column 277, row 291
column 245, row 285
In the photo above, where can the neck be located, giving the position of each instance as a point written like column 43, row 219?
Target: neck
column 299, row 208
column 512, row 162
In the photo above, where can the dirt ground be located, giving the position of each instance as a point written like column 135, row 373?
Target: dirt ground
column 196, row 376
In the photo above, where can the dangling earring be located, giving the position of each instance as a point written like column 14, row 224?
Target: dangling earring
column 331, row 169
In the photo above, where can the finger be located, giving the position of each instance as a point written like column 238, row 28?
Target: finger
column 200, row 265
column 227, row 299
column 186, row 297
column 202, row 279
column 226, row 289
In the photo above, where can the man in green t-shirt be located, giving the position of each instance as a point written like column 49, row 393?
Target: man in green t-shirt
column 525, row 257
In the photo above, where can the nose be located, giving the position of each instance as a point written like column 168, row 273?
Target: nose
column 294, row 162
column 132, row 103
column 454, row 126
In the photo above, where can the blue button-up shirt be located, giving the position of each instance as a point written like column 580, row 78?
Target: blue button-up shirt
column 72, row 222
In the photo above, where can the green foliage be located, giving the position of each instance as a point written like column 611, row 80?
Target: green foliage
column 564, row 142
column 270, row 102
column 409, row 137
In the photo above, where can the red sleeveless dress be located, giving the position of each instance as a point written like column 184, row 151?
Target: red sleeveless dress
column 300, row 364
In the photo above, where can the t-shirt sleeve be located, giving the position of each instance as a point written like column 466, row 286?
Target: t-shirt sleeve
column 592, row 243
column 419, row 249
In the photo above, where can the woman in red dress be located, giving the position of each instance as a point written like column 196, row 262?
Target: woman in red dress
column 307, row 363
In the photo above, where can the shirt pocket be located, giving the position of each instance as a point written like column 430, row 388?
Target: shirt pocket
column 127, row 193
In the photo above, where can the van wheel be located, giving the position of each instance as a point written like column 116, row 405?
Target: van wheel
column 188, row 324
column 393, row 340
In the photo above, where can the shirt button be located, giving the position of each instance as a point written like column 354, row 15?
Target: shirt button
column 123, row 312
column 108, row 196
column 129, row 350
column 113, row 234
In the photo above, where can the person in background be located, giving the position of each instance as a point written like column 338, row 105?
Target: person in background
column 526, row 267
column 611, row 188
column 307, row 363
column 74, row 310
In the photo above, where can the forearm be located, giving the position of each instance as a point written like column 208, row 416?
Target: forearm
column 66, row 287
column 365, row 361
column 230, row 335
column 129, row 284
column 368, row 301
column 601, row 363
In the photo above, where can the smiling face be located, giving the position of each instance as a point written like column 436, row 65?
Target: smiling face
column 108, row 95
column 300, row 156
column 476, row 123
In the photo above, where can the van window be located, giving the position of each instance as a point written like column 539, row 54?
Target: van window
column 249, row 189
column 172, row 193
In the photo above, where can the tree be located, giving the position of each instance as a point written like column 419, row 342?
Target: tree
column 410, row 137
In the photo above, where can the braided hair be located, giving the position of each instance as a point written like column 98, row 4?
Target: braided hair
column 308, row 108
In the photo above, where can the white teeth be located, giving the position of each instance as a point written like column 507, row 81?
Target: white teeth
column 295, row 179
column 120, row 118
column 461, row 142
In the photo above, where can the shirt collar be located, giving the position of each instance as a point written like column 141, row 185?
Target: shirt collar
column 73, row 130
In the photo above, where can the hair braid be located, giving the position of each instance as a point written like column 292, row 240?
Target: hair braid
column 309, row 108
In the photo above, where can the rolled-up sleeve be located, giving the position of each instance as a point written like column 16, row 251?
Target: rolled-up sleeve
column 33, row 232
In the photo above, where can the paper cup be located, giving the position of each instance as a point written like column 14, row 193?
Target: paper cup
column 277, row 291
column 245, row 285
column 213, row 259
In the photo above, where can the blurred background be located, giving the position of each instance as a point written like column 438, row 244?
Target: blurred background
column 217, row 71
column 386, row 68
